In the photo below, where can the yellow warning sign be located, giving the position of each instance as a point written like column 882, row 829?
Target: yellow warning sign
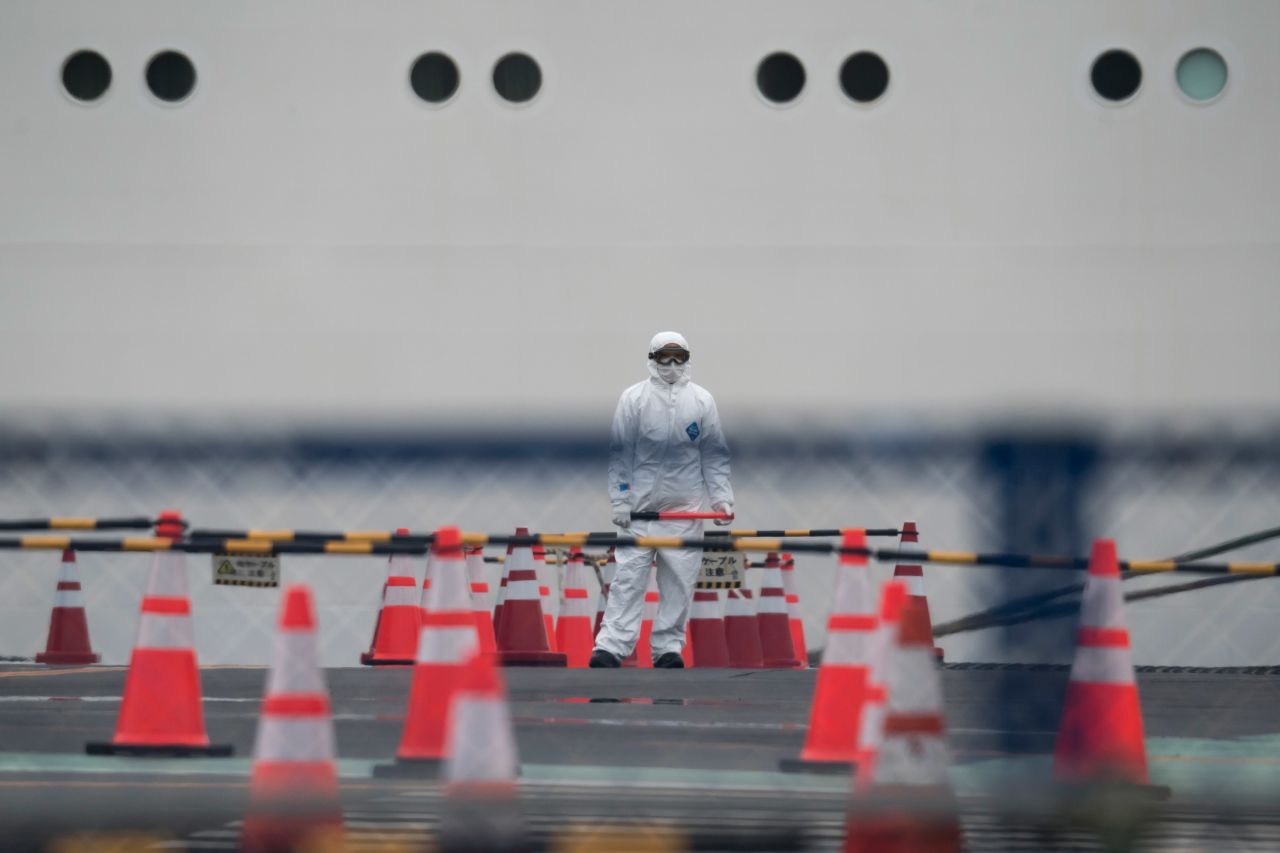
column 245, row 570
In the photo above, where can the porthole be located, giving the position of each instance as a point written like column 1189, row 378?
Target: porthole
column 170, row 76
column 1116, row 76
column 1202, row 74
column 434, row 77
column 780, row 78
column 864, row 77
column 517, row 78
column 86, row 75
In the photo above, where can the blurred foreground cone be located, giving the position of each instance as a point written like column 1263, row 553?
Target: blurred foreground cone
column 395, row 634
column 522, row 631
column 68, row 640
column 893, row 595
column 835, row 718
column 909, row 805
column 913, row 577
column 607, row 571
column 793, row 611
column 741, row 631
column 447, row 645
column 480, row 600
column 642, row 655
column 546, row 580
column 772, row 620
column 161, row 711
column 1101, row 738
column 706, row 630
column 481, row 810
column 293, row 795
column 573, row 628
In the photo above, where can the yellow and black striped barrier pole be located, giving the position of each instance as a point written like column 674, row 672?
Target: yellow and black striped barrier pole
column 389, row 535
column 65, row 523
column 418, row 545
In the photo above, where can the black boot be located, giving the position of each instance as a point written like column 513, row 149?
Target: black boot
column 670, row 660
column 600, row 659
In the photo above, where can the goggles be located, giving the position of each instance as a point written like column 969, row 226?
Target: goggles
column 670, row 356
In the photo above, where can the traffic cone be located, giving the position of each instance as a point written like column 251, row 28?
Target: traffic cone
column 706, row 630
column 546, row 580
column 686, row 651
column 831, row 744
column 913, row 577
column 161, row 713
column 522, row 632
column 395, row 634
column 641, row 656
column 793, row 611
column 772, row 620
column 481, row 810
column 893, row 595
column 68, row 640
column 480, row 600
column 573, row 628
column 741, row 632
column 908, row 805
column 498, row 610
column 293, row 793
column 1101, row 737
column 449, row 641
column 607, row 572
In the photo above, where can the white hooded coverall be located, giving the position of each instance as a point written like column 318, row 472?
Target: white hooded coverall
column 666, row 453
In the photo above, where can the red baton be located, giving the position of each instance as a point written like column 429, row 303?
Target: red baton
column 679, row 516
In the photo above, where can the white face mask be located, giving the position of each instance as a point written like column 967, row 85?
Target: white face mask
column 670, row 373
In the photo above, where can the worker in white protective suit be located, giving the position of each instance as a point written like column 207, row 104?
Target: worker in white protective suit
column 666, row 453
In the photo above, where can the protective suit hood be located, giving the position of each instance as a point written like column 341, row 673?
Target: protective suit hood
column 679, row 371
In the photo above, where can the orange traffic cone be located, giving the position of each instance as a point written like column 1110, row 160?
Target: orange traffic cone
column 573, row 628
column 893, row 595
column 522, row 632
column 546, row 580
column 741, row 632
column 502, row 586
column 68, row 640
column 481, row 810
column 449, row 641
column 913, row 577
column 395, row 634
column 908, row 805
column 686, row 651
column 161, row 711
column 1101, row 737
column 772, row 620
column 293, row 794
column 480, row 600
column 831, row 744
column 706, row 630
column 642, row 655
column 607, row 572
column 793, row 611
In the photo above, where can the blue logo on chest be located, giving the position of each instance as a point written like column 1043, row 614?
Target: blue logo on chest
column 693, row 431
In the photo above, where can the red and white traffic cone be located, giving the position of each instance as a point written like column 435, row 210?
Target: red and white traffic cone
column 893, row 595
column 909, row 806
column 395, row 634
column 481, row 810
column 1101, row 738
column 449, row 641
column 706, row 630
column 772, row 620
column 831, row 743
column 793, row 611
column 641, row 656
column 68, row 640
column 522, row 632
column 913, row 577
column 741, row 631
column 293, row 793
column 546, row 580
column 573, row 628
column 480, row 600
column 161, row 712
column 607, row 572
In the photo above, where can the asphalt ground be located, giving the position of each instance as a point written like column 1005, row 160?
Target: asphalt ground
column 690, row 755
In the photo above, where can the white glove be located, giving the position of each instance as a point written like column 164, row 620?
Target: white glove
column 622, row 517
column 727, row 509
